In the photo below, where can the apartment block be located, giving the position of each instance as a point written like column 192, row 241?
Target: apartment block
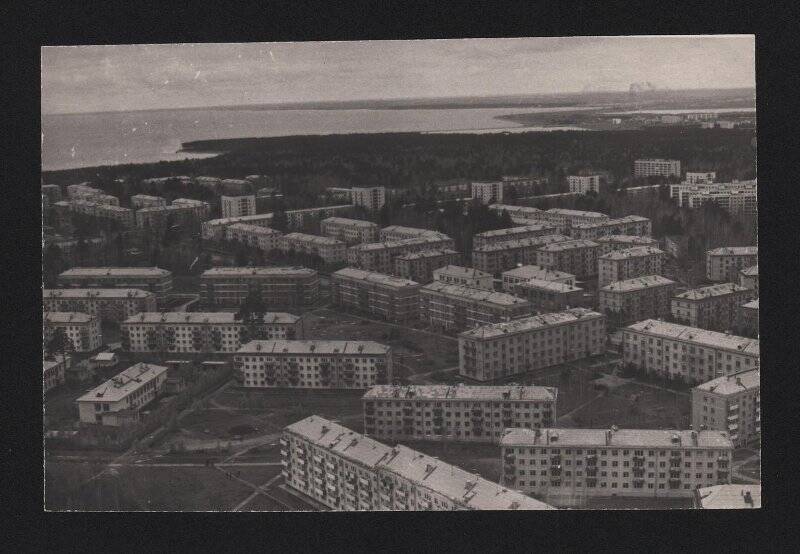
column 371, row 198
column 455, row 308
column 578, row 257
column 314, row 364
column 724, row 264
column 349, row 231
column 748, row 278
column 523, row 185
column 455, row 413
column 200, row 209
column 674, row 351
column 109, row 213
column 499, row 257
column 152, row 279
column 513, row 277
column 549, row 296
column 498, row 236
column 214, row 229
column 621, row 265
column 84, row 193
column 380, row 256
column 164, row 216
column 238, row 206
column 147, row 201
column 398, row 232
column 629, row 225
column 119, row 400
column 464, row 276
column 54, row 371
column 346, row 471
column 105, row 304
column 609, row 243
column 646, row 297
column 581, row 184
column 731, row 404
column 203, row 332
column 509, row 348
column 331, row 251
column 488, row 192
column 699, row 177
column 657, row 167
column 565, row 466
column 387, row 297
column 735, row 202
column 263, row 238
column 296, row 218
column 570, row 218
column 715, row 307
column 81, row 330
column 748, row 318
column 275, row 286
column 419, row 266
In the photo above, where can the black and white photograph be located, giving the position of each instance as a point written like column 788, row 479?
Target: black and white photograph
column 493, row 274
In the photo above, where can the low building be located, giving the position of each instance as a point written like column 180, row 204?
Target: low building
column 203, row 332
column 748, row 278
column 499, row 257
column 731, row 404
column 228, row 287
column 715, row 307
column 748, row 319
column 103, row 360
column 673, row 351
column 419, row 266
column 464, row 276
column 370, row 198
column 513, row 277
column 314, row 364
column 238, row 206
column 147, row 201
column 119, row 400
column 497, row 236
column 724, row 264
column 387, row 297
column 398, row 232
column 82, row 331
column 346, row 471
column 494, row 351
column 610, row 243
column 380, row 256
column 578, row 257
column 54, row 371
column 105, row 304
column 629, row 225
column 549, row 296
column 76, row 250
column 656, row 167
column 255, row 236
column 488, row 192
column 646, row 297
column 455, row 308
column 214, row 229
column 621, row 265
column 581, row 184
column 349, row 231
column 728, row 497
column 331, row 251
column 152, row 279
column 455, row 413
column 569, row 218
column 565, row 466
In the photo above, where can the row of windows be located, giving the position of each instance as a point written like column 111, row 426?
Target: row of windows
column 614, row 452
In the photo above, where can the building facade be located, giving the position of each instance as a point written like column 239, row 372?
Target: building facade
column 513, row 277
column 214, row 229
column 724, row 264
column 657, row 167
column 715, row 307
column 331, row 251
column 371, row 198
column 497, row 236
column 455, row 308
column 255, row 236
column 54, row 371
column 731, row 404
column 621, row 265
column 748, row 319
column 275, row 286
column 629, row 225
column 700, row 177
column 109, row 213
column 105, row 304
column 387, row 297
column 349, row 231
column 201, row 210
column 609, row 243
column 578, row 257
column 380, row 256
column 646, row 297
column 81, row 330
column 549, row 296
column 502, row 256
column 581, row 184
column 147, row 201
column 238, row 206
column 419, row 266
column 151, row 279
column 464, row 276
column 398, row 232
column 488, row 192
column 119, row 400
column 748, row 278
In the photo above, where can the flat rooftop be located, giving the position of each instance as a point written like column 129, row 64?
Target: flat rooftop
column 125, row 383
column 66, row 317
column 730, row 497
column 412, row 231
column 711, row 291
column 576, row 213
column 568, row 245
column 96, row 293
column 314, row 239
column 734, row 383
column 368, row 246
column 695, row 335
column 257, row 229
column 611, row 222
column 637, row 283
column 530, row 323
column 461, row 271
column 514, row 230
column 189, row 202
column 239, row 219
column 537, row 272
column 646, row 438
column 433, row 253
column 523, row 243
column 350, row 222
column 477, row 295
column 544, row 284
column 374, row 277
column 195, row 318
column 753, row 304
column 734, row 251
column 635, row 252
column 115, row 272
column 320, row 209
column 287, row 271
column 519, row 209
column 462, row 392
column 316, row 347
column 627, row 239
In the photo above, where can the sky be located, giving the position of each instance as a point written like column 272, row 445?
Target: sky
column 137, row 77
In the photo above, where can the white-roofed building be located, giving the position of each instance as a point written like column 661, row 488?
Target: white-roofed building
column 275, row 286
column 635, row 225
column 715, row 307
column 513, row 233
column 645, row 297
column 621, row 265
column 455, row 307
column 549, row 296
column 748, row 278
column 256, row 236
column 147, row 201
column 119, row 400
column 464, row 276
column 390, row 298
column 513, row 277
column 380, row 256
column 724, row 264
column 578, row 257
column 107, row 304
column 398, row 232
column 349, row 231
column 609, row 243
column 419, row 266
column 331, row 251
column 81, row 330
column 152, row 279
column 498, row 257
column 731, row 404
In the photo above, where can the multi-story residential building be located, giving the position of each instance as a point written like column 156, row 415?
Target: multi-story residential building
column 275, row 286
column 699, row 177
column 263, row 238
column 331, row 251
column 731, row 404
column 455, row 308
column 104, row 212
column 54, row 371
column 715, row 307
column 497, row 236
column 724, row 264
column 502, row 349
column 419, row 266
column 578, row 257
column 748, row 278
column 455, row 413
column 203, row 332
column 488, row 192
column 105, row 304
column 581, row 184
column 453, row 189
column 152, row 279
column 314, row 364
column 609, row 243
column 380, row 256
column 549, row 296
column 523, row 212
column 238, row 206
column 349, row 231
column 523, row 185
column 296, row 218
column 81, row 330
column 82, row 192
column 728, row 497
column 735, row 202
column 502, row 256
column 565, row 466
column 147, row 201
column 119, row 400
column 390, row 298
column 657, row 167
column 682, row 192
column 674, row 351
column 628, row 225
column 74, row 250
column 163, row 216
column 513, row 277
column 398, row 232
column 621, row 265
column 214, row 229
column 748, row 318
column 569, row 218
column 464, row 276
column 350, row 472
column 235, row 187
column 371, row 198
column 201, row 209
column 646, row 297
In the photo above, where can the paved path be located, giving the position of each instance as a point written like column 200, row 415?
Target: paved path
column 422, row 378
column 250, row 498
column 579, row 408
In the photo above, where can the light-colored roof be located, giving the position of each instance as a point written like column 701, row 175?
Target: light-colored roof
column 57, row 360
column 647, row 438
column 123, row 384
column 147, row 197
column 477, row 295
column 753, row 304
column 297, row 271
column 115, row 272
column 105, row 357
column 320, row 209
column 626, row 239
column 521, row 209
column 702, row 337
column 568, row 245
column 368, row 246
column 257, row 229
column 530, row 323
column 374, row 277
column 576, row 213
column 611, row 222
column 462, row 392
column 751, row 271
column 433, row 253
column 733, row 383
column 523, row 243
column 537, row 272
column 461, row 271
column 313, row 239
column 239, row 219
column 195, row 318
column 96, row 293
column 66, row 317
column 350, row 222
column 543, row 284
column 635, row 252
column 171, row 208
column 655, row 160
column 515, row 230
column 710, row 291
column 734, row 251
column 729, row 497
column 316, row 347
column 189, row 202
column 413, row 231
column 637, row 283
